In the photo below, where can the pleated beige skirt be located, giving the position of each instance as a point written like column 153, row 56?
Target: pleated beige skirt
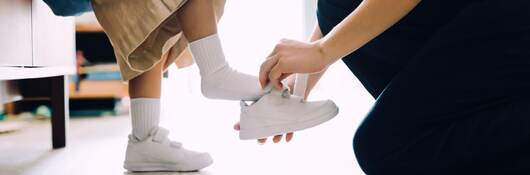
column 142, row 31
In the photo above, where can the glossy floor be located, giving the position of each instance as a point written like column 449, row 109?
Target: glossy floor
column 97, row 145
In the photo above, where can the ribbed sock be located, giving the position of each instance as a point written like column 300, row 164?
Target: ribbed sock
column 145, row 115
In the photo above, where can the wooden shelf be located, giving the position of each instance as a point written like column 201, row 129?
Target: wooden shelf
column 99, row 68
column 76, row 96
column 88, row 28
column 97, row 89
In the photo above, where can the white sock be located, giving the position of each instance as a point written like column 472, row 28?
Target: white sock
column 218, row 79
column 145, row 115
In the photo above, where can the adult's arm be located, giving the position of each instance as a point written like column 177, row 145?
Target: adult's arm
column 369, row 20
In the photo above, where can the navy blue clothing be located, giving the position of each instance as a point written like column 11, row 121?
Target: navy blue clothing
column 69, row 7
column 451, row 82
column 397, row 45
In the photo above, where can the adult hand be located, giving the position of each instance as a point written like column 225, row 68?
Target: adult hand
column 290, row 56
column 275, row 139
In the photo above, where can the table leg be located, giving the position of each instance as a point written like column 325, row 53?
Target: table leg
column 60, row 112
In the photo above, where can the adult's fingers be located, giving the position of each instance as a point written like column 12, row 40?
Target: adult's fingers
column 289, row 137
column 262, row 141
column 274, row 51
column 237, row 126
column 284, row 76
column 275, row 75
column 266, row 68
column 277, row 138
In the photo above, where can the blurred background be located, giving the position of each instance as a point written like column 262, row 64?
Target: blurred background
column 96, row 132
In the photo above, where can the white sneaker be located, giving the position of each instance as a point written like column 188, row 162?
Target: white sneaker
column 158, row 153
column 279, row 112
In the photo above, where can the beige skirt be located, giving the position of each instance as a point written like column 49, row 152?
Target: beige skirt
column 143, row 31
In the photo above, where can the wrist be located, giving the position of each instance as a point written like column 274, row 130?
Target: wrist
column 324, row 53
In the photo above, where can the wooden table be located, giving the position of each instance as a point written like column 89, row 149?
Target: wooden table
column 37, row 50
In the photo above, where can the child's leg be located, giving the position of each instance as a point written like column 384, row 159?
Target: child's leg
column 145, row 101
column 218, row 80
column 150, row 149
column 198, row 19
column 148, row 84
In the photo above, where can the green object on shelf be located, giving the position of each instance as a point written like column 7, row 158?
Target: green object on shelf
column 2, row 114
column 43, row 111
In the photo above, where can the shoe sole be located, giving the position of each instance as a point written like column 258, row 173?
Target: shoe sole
column 259, row 133
column 162, row 167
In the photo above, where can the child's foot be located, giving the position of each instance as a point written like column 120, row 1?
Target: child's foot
column 218, row 79
column 229, row 84
column 158, row 153
column 279, row 112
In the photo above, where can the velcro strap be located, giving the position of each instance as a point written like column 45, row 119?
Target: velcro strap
column 176, row 144
column 300, row 84
column 160, row 135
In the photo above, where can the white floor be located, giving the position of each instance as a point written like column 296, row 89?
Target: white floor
column 97, row 145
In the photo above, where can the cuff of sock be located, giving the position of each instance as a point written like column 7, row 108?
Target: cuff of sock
column 208, row 54
column 145, row 106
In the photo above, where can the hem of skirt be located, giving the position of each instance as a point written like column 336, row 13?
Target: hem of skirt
column 140, row 71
